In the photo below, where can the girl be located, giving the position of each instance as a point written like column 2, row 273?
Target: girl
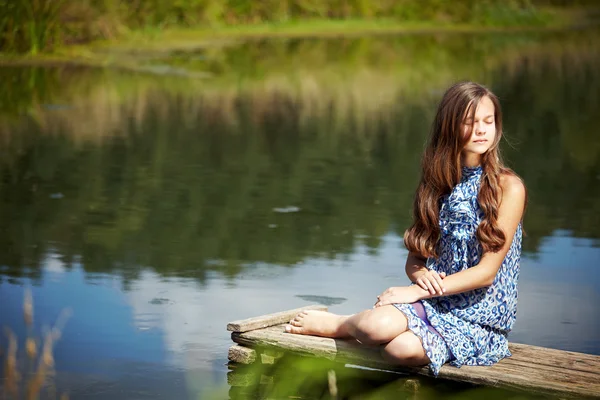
column 464, row 250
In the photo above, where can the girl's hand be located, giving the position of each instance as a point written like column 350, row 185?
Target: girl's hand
column 432, row 282
column 401, row 294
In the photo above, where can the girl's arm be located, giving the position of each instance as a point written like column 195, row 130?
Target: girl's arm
column 415, row 266
column 427, row 279
column 510, row 214
column 483, row 274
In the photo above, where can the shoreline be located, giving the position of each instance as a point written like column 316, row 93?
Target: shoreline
column 127, row 52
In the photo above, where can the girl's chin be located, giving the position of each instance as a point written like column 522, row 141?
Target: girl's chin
column 478, row 151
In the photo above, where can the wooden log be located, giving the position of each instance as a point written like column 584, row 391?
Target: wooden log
column 265, row 321
column 530, row 368
column 241, row 354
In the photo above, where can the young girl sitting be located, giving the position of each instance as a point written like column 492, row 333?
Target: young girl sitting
column 464, row 250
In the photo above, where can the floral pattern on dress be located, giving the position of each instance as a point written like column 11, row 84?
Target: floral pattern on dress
column 474, row 325
column 433, row 344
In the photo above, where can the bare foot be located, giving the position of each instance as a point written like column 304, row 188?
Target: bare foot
column 318, row 323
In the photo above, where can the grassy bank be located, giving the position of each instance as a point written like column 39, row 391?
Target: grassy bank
column 48, row 26
column 133, row 49
column 180, row 37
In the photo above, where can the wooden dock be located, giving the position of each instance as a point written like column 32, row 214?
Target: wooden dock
column 531, row 368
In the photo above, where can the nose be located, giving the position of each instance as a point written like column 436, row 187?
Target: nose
column 480, row 128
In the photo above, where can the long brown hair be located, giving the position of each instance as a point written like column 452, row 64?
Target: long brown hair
column 442, row 171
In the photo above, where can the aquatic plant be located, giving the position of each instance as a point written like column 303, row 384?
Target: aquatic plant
column 283, row 375
column 36, row 377
column 279, row 375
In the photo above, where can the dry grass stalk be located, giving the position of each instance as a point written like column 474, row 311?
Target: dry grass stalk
column 11, row 372
column 332, row 384
column 43, row 372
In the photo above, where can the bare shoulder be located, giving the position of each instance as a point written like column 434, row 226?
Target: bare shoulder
column 416, row 255
column 513, row 189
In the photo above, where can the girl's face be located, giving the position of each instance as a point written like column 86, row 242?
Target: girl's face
column 479, row 131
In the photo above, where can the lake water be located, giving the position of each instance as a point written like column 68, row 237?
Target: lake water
column 231, row 182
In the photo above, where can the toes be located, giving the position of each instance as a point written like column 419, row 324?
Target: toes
column 293, row 329
column 300, row 315
column 298, row 318
column 296, row 323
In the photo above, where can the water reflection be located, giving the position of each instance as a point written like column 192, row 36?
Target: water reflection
column 118, row 337
column 159, row 209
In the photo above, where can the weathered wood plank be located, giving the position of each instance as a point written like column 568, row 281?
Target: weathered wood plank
column 558, row 372
column 530, row 378
column 241, row 354
column 265, row 321
column 560, row 358
column 530, row 368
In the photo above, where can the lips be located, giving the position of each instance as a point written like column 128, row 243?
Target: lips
column 480, row 141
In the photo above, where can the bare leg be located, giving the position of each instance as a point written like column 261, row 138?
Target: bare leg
column 405, row 349
column 373, row 327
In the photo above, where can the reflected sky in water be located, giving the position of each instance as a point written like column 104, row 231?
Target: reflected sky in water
column 171, row 331
column 159, row 209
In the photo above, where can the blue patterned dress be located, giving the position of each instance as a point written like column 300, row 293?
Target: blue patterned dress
column 472, row 326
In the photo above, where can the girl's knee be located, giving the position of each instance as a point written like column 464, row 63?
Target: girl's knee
column 377, row 329
column 406, row 349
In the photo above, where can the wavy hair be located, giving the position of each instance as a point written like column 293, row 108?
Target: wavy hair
column 442, row 170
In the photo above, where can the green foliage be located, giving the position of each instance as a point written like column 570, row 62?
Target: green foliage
column 40, row 25
column 507, row 13
column 31, row 25
column 294, row 376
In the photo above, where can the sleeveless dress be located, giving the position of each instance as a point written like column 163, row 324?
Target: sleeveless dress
column 472, row 327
